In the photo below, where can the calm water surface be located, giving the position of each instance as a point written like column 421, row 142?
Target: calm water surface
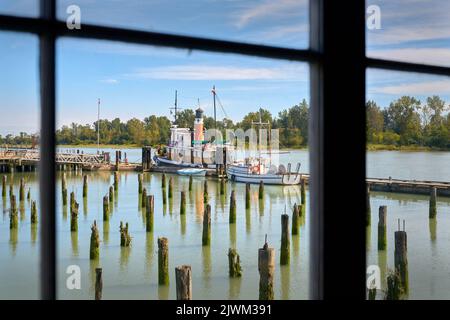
column 131, row 273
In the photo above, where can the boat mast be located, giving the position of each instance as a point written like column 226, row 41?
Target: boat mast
column 214, row 101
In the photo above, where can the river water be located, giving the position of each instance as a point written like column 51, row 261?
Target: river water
column 131, row 273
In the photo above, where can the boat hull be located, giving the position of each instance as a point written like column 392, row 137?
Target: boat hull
column 192, row 172
column 240, row 175
column 160, row 161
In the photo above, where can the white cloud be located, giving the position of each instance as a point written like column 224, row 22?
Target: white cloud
column 280, row 32
column 268, row 8
column 208, row 72
column 417, row 88
column 434, row 56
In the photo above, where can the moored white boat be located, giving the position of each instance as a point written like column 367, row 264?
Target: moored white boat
column 248, row 173
column 192, row 172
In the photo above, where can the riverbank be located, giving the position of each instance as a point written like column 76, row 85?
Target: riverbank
column 392, row 147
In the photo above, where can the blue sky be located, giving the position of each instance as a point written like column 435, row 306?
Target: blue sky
column 137, row 81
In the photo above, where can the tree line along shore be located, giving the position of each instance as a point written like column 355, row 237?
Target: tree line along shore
column 406, row 124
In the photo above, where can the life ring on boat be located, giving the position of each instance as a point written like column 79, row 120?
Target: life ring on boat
column 255, row 170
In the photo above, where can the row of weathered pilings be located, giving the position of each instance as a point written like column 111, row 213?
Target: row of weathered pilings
column 397, row 282
column 183, row 273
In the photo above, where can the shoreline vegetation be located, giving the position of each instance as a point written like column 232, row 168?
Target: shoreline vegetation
column 406, row 124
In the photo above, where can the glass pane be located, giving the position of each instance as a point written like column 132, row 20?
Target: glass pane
column 408, row 155
column 411, row 31
column 281, row 23
column 28, row 8
column 136, row 87
column 19, row 131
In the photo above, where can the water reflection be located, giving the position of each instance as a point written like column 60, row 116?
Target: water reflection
column 432, row 223
column 206, row 260
column 105, row 232
column 13, row 239
column 234, row 288
column 285, row 272
column 74, row 241
column 149, row 253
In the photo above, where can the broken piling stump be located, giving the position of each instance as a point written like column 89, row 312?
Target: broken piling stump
column 183, row 279
column 149, row 210
column 382, row 214
column 206, row 236
column 85, row 186
column 247, row 195
column 183, row 203
column 163, row 261
column 105, row 208
column 266, row 267
column 34, row 217
column 285, row 242
column 295, row 220
column 433, row 210
column 234, row 264
column 94, row 249
column 232, row 207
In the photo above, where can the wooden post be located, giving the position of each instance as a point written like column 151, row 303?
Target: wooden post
column 261, row 190
column 222, row 185
column 125, row 238
column 94, row 249
column 144, row 198
column 433, row 210
column 163, row 181
column 234, row 264
column 11, row 189
column 394, row 289
column 111, row 193
column 4, row 186
column 247, row 195
column 368, row 210
column 150, row 207
column 170, row 188
column 190, row 183
column 382, row 213
column 85, row 186
column 105, row 208
column 22, row 190
column 285, row 243
column 163, row 261
column 233, row 207
column 401, row 258
column 117, row 160
column 98, row 284
column 205, row 191
column 116, row 180
column 206, row 237
column 183, row 278
column 295, row 220
column 74, row 216
column 72, row 200
column 183, row 203
column 13, row 216
column 266, row 267
column 64, row 189
column 29, row 194
column 140, row 182
column 303, row 190
column 34, row 218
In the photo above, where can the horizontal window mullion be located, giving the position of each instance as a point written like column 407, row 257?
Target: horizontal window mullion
column 407, row 66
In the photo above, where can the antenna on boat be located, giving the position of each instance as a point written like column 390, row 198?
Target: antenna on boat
column 175, row 107
column 214, row 101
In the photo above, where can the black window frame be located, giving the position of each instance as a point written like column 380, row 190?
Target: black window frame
column 336, row 56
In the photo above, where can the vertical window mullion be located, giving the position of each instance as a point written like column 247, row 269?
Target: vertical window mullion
column 47, row 156
column 337, row 150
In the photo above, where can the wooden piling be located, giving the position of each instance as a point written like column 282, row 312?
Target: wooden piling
column 190, row 183
column 140, row 183
column 285, row 242
column 206, row 236
column 433, row 209
column 98, row 284
column 233, row 207
column 13, row 215
column 11, row 189
column 205, row 191
column 74, row 216
column 125, row 238
column 401, row 258
column 368, row 209
column 105, row 208
column 111, row 193
column 116, row 180
column 394, row 289
column 382, row 214
column 72, row 200
column 144, row 198
column 85, row 186
column 22, row 190
column 261, row 190
column 94, row 249
column 303, row 190
column 222, row 186
column 234, row 264
column 4, row 186
column 266, row 267
column 163, row 261
column 29, row 194
column 34, row 217
column 183, row 279
column 149, row 213
column 183, row 203
column 170, row 191
column 295, row 220
column 247, row 195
